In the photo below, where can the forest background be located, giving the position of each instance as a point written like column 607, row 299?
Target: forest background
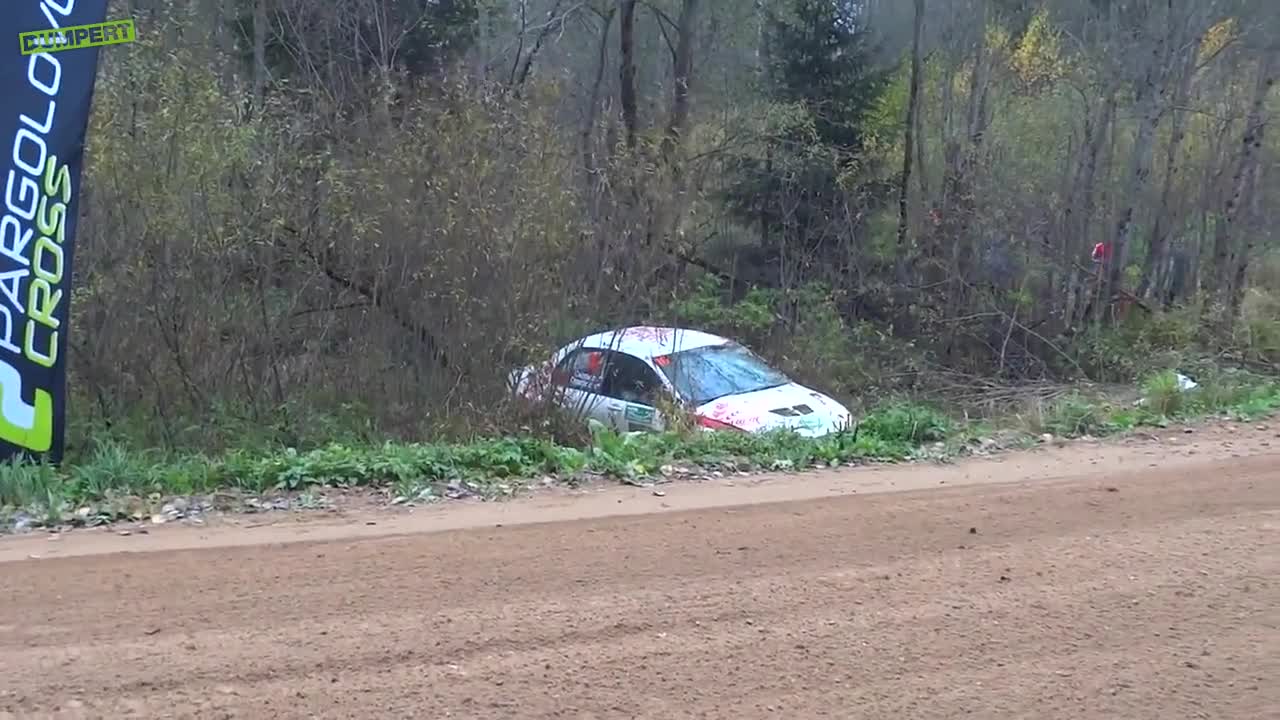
column 318, row 220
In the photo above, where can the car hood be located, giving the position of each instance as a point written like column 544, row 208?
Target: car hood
column 790, row 407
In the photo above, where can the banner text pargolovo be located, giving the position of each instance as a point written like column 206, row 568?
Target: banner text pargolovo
column 43, row 122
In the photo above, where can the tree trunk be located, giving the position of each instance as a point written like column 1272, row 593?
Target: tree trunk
column 532, row 55
column 627, row 92
column 1157, row 260
column 963, row 204
column 1240, row 279
column 222, row 39
column 259, row 54
column 908, row 140
column 1139, row 172
column 1095, row 140
column 1249, row 170
column 1251, row 143
column 959, row 205
column 763, row 59
column 1210, row 200
column 682, row 68
column 593, row 106
column 1150, row 102
column 667, row 201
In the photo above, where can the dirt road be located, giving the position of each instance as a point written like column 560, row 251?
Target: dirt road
column 1139, row 580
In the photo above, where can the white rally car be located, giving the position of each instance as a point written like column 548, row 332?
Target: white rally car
column 618, row 378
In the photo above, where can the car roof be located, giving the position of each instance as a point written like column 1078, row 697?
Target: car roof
column 648, row 341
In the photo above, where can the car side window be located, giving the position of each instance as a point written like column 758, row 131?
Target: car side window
column 582, row 369
column 630, row 379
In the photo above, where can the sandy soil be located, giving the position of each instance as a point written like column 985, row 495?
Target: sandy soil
column 1138, row 579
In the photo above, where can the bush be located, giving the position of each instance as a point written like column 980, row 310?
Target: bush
column 908, row 424
column 804, row 331
column 1139, row 346
column 1162, row 393
column 1257, row 335
column 1076, row 415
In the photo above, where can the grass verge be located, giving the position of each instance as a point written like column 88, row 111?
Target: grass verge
column 1236, row 395
column 114, row 482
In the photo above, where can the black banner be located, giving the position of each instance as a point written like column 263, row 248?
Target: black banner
column 43, row 119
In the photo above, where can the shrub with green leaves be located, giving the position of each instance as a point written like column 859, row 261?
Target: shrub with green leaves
column 802, row 329
column 1076, row 415
column 1162, row 393
column 908, row 424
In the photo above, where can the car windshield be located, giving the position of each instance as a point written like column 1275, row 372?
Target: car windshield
column 709, row 373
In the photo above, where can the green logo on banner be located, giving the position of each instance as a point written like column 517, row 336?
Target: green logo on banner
column 114, row 32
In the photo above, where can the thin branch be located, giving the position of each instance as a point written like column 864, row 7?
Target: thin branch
column 666, row 36
column 331, row 308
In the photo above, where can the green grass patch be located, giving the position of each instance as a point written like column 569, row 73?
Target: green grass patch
column 114, row 480
column 111, row 472
column 1233, row 394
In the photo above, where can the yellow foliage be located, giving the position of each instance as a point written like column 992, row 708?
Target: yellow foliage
column 1037, row 59
column 1217, row 38
column 998, row 37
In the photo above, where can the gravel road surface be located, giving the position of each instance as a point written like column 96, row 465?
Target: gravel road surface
column 1138, row 579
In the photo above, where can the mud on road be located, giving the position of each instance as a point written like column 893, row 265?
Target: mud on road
column 1130, row 580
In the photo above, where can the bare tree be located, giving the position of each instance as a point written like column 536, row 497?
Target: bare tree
column 627, row 70
column 1150, row 101
column 1157, row 258
column 1245, row 182
column 908, row 140
column 259, row 53
column 682, row 69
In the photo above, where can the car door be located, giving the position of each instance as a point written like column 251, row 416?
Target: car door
column 579, row 381
column 631, row 389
